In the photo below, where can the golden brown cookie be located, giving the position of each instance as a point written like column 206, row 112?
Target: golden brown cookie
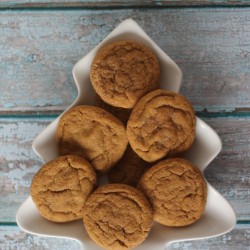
column 121, row 113
column 94, row 134
column 60, row 188
column 129, row 169
column 123, row 71
column 161, row 123
column 176, row 191
column 117, row 217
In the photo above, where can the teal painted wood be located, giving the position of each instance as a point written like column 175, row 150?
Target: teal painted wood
column 18, row 163
column 39, row 48
column 11, row 237
column 228, row 173
column 119, row 3
column 236, row 239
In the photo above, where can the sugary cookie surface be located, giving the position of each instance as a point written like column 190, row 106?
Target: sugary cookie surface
column 123, row 71
column 61, row 187
column 162, row 123
column 117, row 217
column 94, row 134
column 176, row 191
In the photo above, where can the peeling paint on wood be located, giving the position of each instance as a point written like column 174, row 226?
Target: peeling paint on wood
column 18, row 163
column 11, row 237
column 39, row 48
column 236, row 239
column 14, row 238
column 229, row 172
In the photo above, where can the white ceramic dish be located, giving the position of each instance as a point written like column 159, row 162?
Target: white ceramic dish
column 219, row 216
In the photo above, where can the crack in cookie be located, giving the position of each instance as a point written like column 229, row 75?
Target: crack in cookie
column 92, row 133
column 60, row 188
column 123, row 71
column 176, row 191
column 162, row 123
column 117, row 217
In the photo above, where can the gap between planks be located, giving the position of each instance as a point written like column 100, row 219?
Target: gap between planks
column 243, row 113
column 239, row 224
column 119, row 5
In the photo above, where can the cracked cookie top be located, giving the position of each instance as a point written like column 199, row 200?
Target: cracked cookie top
column 123, row 71
column 117, row 217
column 161, row 124
column 94, row 134
column 176, row 191
column 60, row 188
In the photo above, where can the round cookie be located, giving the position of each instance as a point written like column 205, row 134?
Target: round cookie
column 162, row 123
column 129, row 169
column 176, row 191
column 117, row 217
column 60, row 188
column 94, row 134
column 123, row 71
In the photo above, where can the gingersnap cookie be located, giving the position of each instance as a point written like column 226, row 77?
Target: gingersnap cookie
column 121, row 113
column 117, row 217
column 162, row 123
column 129, row 169
column 176, row 191
column 60, row 188
column 94, row 134
column 123, row 71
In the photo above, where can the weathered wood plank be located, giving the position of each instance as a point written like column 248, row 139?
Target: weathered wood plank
column 39, row 48
column 120, row 3
column 11, row 237
column 228, row 173
column 236, row 239
column 18, row 163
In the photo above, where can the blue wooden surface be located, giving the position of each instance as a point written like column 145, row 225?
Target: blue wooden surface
column 12, row 236
column 38, row 48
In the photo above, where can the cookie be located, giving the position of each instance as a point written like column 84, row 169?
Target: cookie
column 60, row 188
column 121, row 113
column 123, row 71
column 162, row 123
column 176, row 191
column 117, row 217
column 92, row 133
column 129, row 169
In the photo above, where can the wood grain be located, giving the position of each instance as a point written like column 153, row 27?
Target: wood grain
column 12, row 237
column 236, row 239
column 18, row 163
column 40, row 42
column 120, row 3
column 39, row 48
column 228, row 173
